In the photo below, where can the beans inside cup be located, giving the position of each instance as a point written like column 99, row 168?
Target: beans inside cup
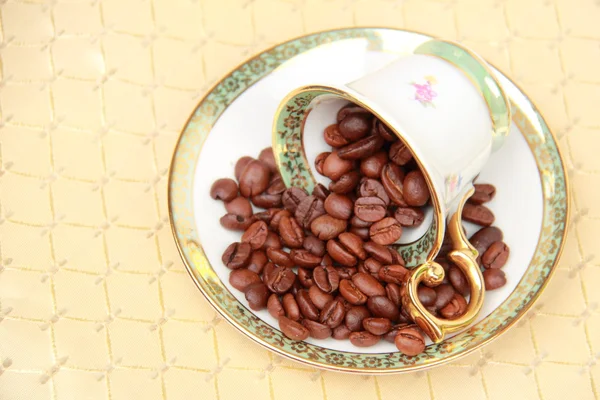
column 322, row 263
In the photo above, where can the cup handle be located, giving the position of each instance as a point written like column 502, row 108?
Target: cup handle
column 431, row 273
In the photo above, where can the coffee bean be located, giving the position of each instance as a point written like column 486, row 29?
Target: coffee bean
column 483, row 239
column 224, row 189
column 373, row 188
column 345, row 272
column 368, row 285
column 333, row 136
column 292, row 197
column 396, row 256
column 276, row 219
column 410, row 341
column 459, row 281
column 241, row 279
column 318, row 297
column 480, row 215
column 254, row 179
column 317, row 330
column 267, row 271
column 257, row 261
column 427, row 295
column 350, row 109
column 370, row 209
column 327, row 227
column 326, row 278
column 341, row 332
column 362, row 233
column 306, row 306
column 340, row 254
column 267, row 215
column 399, row 153
column 370, row 266
column 314, row 245
column 291, row 232
column 334, row 167
column 377, row 326
column 372, row 166
column 237, row 255
column 266, row 200
column 378, row 252
column 267, row 157
column 332, row 314
column 280, row 280
column 456, row 307
column 494, row 278
column 347, row 306
column 483, row 194
column 321, row 192
column 381, row 306
column 416, row 192
column 392, row 180
column 355, row 316
column 326, row 260
column 272, row 241
column 391, row 335
column 409, row 216
column 309, row 208
column 351, row 293
column 384, row 131
column 256, row 235
column 280, row 257
column 363, row 339
column 443, row 295
column 355, row 126
column 346, row 183
column 292, row 311
column 305, row 277
column 359, row 223
column 240, row 165
column 353, row 244
column 293, row 329
column 257, row 295
column 274, row 306
column 239, row 206
column 393, row 273
column 496, row 255
column 296, row 287
column 319, row 160
column 386, row 231
column 393, row 293
column 362, row 148
column 338, row 206
column 304, row 258
column 236, row 222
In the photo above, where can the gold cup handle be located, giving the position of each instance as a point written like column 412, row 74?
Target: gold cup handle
column 431, row 274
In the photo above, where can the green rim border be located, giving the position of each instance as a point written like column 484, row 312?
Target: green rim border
column 188, row 149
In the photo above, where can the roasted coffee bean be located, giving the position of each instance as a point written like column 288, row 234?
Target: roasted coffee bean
column 266, row 156
column 296, row 287
column 327, row 227
column 304, row 258
column 346, row 183
column 382, row 130
column 410, row 341
column 292, row 329
column 351, row 293
column 483, row 239
column 446, row 266
column 280, row 257
column 416, row 192
column 393, row 273
column 373, row 188
column 224, row 189
column 372, row 166
column 443, row 295
column 272, row 241
column 355, row 316
column 280, row 280
column 237, row 255
column 326, row 260
column 399, row 153
column 392, row 180
column 274, row 224
column 345, row 272
column 427, row 295
column 347, row 306
column 362, row 148
column 326, row 278
column 338, row 206
column 496, row 255
column 267, row 200
column 377, row 326
column 333, row 313
column 409, row 216
column 257, row 295
column 370, row 209
column 321, row 191
column 267, row 215
column 355, row 126
column 236, row 222
column 318, row 297
column 381, row 306
column 396, row 256
column 386, row 231
column 456, row 307
column 267, row 271
column 291, row 232
column 314, row 245
column 494, row 278
column 483, row 193
column 477, row 214
column 353, row 244
column 362, row 233
column 274, row 306
column 393, row 293
column 350, row 109
column 391, row 335
column 292, row 197
column 316, row 329
column 254, row 179
column 340, row 254
column 242, row 278
column 359, row 223
column 256, row 235
column 363, row 339
column 309, row 208
column 306, row 306
column 319, row 160
column 292, row 311
column 334, row 167
column 240, row 165
column 257, row 261
column 459, row 281
column 333, row 136
column 305, row 277
column 367, row 284
column 341, row 332
column 378, row 252
column 239, row 206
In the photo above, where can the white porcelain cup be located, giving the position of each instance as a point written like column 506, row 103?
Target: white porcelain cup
column 447, row 107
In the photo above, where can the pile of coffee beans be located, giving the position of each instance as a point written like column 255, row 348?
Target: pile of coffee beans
column 320, row 262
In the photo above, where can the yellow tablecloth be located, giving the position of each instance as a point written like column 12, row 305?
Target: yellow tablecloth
column 94, row 300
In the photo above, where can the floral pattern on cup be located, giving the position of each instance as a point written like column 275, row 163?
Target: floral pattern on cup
column 424, row 92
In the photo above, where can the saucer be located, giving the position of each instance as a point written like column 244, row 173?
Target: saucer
column 235, row 119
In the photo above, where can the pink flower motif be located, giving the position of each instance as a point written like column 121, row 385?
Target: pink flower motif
column 424, row 93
